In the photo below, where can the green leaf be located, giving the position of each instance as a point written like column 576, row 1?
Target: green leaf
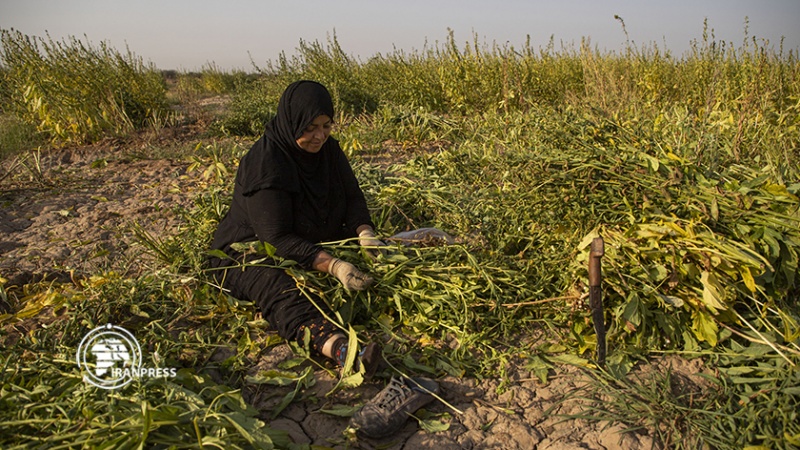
column 714, row 209
column 135, row 310
column 409, row 362
column 704, row 327
column 757, row 350
column 772, row 239
column 780, row 191
column 657, row 273
column 753, row 380
column 434, row 426
column 552, row 348
column 341, row 410
column 671, row 300
column 619, row 364
column 747, row 278
column 449, row 368
column 587, row 240
column 713, row 292
column 352, row 350
column 303, row 381
column 244, row 247
column 650, row 161
column 268, row 249
column 633, row 310
column 257, row 247
column 351, row 381
column 539, row 367
column 273, row 377
column 272, row 340
column 789, row 262
column 738, row 370
column 395, row 258
column 217, row 254
column 573, row 360
column 291, row 363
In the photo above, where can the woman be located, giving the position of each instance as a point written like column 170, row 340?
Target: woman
column 293, row 190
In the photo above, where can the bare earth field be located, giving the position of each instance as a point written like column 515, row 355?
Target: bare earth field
column 74, row 217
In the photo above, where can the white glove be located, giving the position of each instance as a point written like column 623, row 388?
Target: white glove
column 368, row 239
column 350, row 277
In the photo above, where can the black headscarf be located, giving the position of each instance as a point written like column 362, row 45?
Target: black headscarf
column 276, row 161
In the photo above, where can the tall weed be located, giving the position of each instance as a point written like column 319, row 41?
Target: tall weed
column 718, row 104
column 17, row 136
column 75, row 92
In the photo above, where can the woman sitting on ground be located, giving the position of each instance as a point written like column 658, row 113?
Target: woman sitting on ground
column 293, row 190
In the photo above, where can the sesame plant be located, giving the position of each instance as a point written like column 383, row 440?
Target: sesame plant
column 76, row 92
column 686, row 166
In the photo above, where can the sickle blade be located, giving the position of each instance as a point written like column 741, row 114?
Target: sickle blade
column 596, row 297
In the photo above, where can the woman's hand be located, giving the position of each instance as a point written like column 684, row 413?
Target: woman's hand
column 350, row 277
column 367, row 238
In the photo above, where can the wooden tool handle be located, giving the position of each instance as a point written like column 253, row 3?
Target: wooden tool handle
column 596, row 252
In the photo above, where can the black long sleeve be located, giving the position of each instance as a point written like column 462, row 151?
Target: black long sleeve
column 279, row 210
column 357, row 212
column 271, row 215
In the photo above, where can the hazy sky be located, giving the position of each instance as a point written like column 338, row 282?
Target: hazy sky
column 186, row 34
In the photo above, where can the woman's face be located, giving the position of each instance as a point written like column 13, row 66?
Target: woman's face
column 315, row 134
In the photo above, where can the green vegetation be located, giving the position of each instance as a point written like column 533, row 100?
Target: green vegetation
column 17, row 136
column 687, row 166
column 74, row 92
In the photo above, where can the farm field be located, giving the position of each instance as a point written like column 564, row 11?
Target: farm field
column 687, row 166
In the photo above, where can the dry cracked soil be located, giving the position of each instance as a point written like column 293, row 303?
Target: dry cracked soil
column 72, row 213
